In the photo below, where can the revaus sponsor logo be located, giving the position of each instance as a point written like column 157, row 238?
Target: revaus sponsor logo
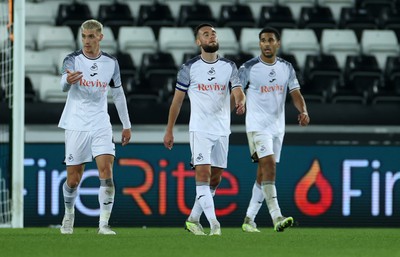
column 211, row 87
column 92, row 83
column 268, row 89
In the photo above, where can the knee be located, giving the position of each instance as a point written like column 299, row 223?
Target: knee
column 73, row 182
column 215, row 180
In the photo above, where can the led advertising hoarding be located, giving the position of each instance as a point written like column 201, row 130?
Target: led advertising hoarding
column 317, row 185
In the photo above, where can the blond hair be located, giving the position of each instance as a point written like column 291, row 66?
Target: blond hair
column 92, row 25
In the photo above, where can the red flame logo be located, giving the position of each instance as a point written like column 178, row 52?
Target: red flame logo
column 314, row 177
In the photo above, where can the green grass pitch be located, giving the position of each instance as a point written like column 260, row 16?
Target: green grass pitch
column 176, row 242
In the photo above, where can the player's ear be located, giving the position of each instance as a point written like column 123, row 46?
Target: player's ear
column 101, row 36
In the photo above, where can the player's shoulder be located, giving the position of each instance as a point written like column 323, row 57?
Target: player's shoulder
column 107, row 55
column 223, row 59
column 192, row 60
column 251, row 62
column 74, row 54
column 282, row 61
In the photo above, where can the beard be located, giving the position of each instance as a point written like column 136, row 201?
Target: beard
column 210, row 48
column 268, row 55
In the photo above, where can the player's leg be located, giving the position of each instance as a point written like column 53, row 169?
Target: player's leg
column 201, row 145
column 256, row 201
column 215, row 179
column 103, row 149
column 267, row 165
column 106, row 191
column 75, row 157
column 70, row 191
column 257, row 196
column 219, row 161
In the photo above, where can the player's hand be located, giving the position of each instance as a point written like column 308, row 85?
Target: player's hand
column 168, row 140
column 126, row 136
column 303, row 119
column 240, row 109
column 73, row 76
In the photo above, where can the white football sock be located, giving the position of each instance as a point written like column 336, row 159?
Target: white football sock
column 106, row 200
column 196, row 212
column 69, row 198
column 269, row 191
column 206, row 201
column 256, row 201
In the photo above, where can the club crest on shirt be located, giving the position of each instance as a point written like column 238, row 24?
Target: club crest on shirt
column 211, row 72
column 272, row 74
column 94, row 67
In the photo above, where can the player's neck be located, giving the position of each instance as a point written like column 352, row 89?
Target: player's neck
column 92, row 54
column 209, row 57
column 270, row 60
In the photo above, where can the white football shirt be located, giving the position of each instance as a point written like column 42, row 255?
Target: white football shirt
column 86, row 108
column 266, row 86
column 208, row 86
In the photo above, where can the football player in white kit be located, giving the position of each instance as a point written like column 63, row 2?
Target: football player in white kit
column 210, row 81
column 267, row 80
column 87, row 75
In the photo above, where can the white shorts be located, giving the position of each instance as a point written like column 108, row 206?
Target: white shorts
column 265, row 144
column 209, row 149
column 83, row 146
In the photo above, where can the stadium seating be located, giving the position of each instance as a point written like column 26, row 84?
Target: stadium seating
column 177, row 41
column 375, row 7
column 296, row 5
column 316, row 18
column 276, row 16
column 50, row 91
column 157, row 75
column 175, row 6
column 53, row 39
column 136, row 41
column 73, row 15
column 381, row 44
column 115, row 15
column 30, row 92
column 363, row 78
column 336, row 6
column 249, row 41
column 134, row 6
column 38, row 63
column 236, row 16
column 340, row 43
column 322, row 77
column 391, row 90
column 215, row 5
column 39, row 14
column 357, row 19
column 128, row 71
column 155, row 16
column 300, row 43
column 228, row 43
column 195, row 14
column 390, row 19
column 257, row 5
column 94, row 6
column 30, row 42
column 343, row 28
